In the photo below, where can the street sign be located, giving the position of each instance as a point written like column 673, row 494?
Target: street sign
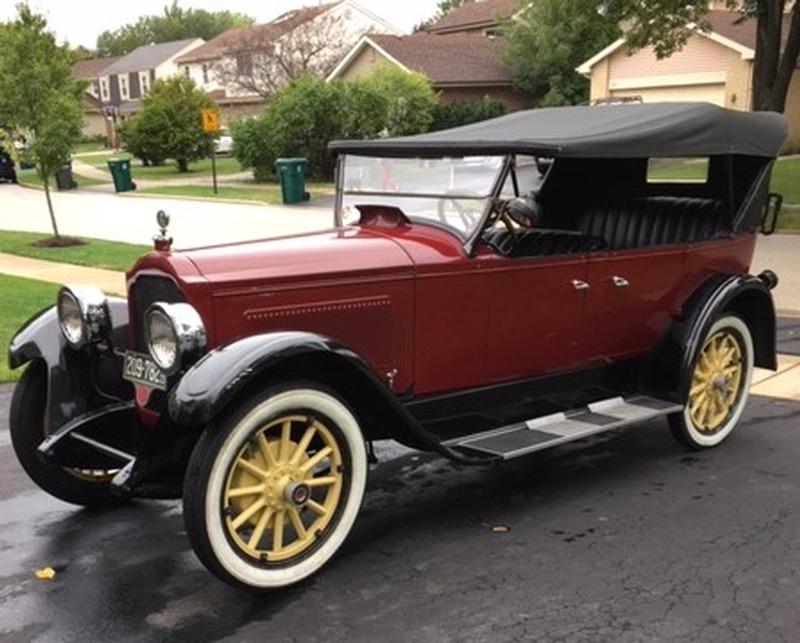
column 210, row 121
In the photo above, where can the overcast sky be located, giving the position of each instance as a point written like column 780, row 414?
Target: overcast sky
column 80, row 21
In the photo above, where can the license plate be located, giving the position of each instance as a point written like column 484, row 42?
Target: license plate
column 142, row 370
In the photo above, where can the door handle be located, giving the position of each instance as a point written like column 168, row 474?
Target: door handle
column 620, row 282
column 579, row 284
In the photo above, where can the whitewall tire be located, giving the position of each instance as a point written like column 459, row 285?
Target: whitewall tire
column 272, row 493
column 719, row 387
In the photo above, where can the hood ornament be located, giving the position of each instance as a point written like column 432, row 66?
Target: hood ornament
column 161, row 241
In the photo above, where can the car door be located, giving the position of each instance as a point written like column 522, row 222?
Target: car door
column 538, row 320
column 632, row 296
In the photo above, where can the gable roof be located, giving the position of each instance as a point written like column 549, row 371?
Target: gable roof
column 92, row 67
column 473, row 15
column 446, row 59
column 149, row 56
column 269, row 31
column 728, row 28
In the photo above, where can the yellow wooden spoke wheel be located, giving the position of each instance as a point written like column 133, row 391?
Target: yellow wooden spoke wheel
column 283, row 488
column 716, row 381
column 273, row 490
column 718, row 385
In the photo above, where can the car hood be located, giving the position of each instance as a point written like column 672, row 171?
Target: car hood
column 324, row 255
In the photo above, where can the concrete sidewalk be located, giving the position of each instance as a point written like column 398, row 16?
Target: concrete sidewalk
column 109, row 281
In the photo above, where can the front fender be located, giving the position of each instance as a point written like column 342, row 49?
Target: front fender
column 212, row 384
column 747, row 296
column 70, row 373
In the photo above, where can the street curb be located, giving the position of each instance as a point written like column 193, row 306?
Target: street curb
column 177, row 197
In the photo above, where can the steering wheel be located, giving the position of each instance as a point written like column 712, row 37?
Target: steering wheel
column 500, row 213
column 468, row 217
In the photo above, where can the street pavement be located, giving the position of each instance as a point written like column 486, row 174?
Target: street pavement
column 623, row 537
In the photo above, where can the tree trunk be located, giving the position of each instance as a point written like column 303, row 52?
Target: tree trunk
column 46, row 182
column 183, row 165
column 772, row 68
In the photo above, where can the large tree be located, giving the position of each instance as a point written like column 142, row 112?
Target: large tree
column 258, row 63
column 176, row 23
column 38, row 96
column 547, row 39
column 667, row 24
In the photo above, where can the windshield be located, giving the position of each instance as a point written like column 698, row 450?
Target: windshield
column 451, row 193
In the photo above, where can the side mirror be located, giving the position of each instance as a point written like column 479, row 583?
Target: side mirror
column 772, row 210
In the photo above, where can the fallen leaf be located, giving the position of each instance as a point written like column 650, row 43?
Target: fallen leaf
column 45, row 573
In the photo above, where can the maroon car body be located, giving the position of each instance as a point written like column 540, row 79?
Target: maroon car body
column 500, row 288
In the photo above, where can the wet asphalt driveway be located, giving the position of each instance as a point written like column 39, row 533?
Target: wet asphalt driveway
column 622, row 537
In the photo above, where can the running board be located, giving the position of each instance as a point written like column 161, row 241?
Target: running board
column 551, row 430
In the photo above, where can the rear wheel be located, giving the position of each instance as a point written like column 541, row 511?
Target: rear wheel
column 87, row 487
column 720, row 384
column 271, row 494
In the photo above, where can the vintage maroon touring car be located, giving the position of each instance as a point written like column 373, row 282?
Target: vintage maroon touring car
column 486, row 292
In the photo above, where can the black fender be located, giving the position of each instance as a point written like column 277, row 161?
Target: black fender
column 222, row 375
column 72, row 376
column 745, row 295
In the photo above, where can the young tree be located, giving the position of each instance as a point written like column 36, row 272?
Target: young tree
column 260, row 63
column 39, row 96
column 176, row 23
column 667, row 24
column 170, row 125
column 547, row 39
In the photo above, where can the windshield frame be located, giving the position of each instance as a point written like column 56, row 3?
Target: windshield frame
column 468, row 241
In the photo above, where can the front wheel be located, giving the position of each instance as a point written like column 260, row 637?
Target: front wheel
column 272, row 493
column 720, row 384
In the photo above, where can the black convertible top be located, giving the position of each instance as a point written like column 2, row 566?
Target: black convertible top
column 612, row 131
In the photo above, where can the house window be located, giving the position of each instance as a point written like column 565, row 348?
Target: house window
column 187, row 71
column 143, row 81
column 677, row 170
column 104, row 89
column 244, row 65
column 205, row 73
column 123, row 87
column 95, row 88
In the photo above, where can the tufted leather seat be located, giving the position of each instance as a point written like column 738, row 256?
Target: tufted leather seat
column 649, row 221
column 538, row 241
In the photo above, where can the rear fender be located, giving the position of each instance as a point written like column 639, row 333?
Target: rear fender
column 747, row 296
column 226, row 373
column 72, row 376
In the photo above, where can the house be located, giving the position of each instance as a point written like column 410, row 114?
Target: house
column 715, row 66
column 481, row 16
column 223, row 65
column 95, row 122
column 461, row 54
column 123, row 84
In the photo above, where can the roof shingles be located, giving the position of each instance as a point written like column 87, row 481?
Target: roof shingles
column 460, row 58
column 473, row 15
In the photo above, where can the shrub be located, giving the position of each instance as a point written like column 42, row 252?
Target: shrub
column 409, row 96
column 252, row 147
column 446, row 115
column 169, row 125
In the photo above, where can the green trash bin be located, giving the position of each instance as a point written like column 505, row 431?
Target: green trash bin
column 64, row 180
column 121, row 173
column 292, row 173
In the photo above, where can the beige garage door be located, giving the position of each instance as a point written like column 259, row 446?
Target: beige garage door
column 708, row 93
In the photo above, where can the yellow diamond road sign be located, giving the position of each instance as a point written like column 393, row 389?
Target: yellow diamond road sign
column 210, row 121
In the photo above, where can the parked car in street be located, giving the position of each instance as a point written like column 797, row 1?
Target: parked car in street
column 224, row 142
column 8, row 171
column 469, row 308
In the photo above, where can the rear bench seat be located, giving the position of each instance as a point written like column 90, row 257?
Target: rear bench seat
column 655, row 220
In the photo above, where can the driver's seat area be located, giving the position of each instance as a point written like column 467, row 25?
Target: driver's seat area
column 541, row 241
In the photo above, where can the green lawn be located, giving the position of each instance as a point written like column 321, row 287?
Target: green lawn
column 21, row 299
column 790, row 218
column 225, row 165
column 101, row 160
column 786, row 179
column 82, row 148
column 269, row 193
column 95, row 253
column 31, row 178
